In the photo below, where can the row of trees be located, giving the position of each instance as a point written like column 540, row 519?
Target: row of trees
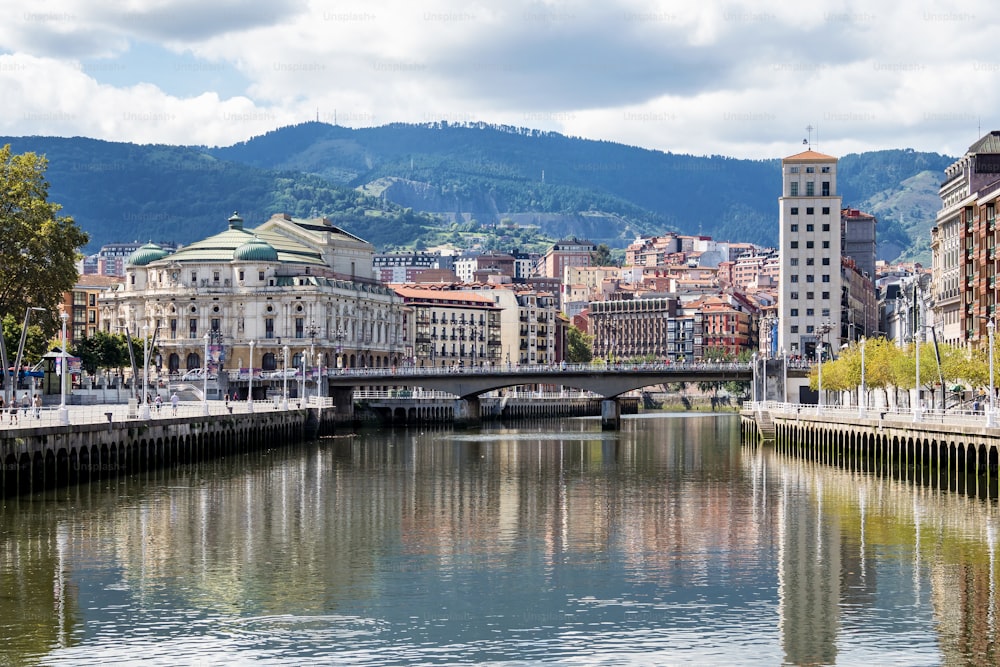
column 889, row 368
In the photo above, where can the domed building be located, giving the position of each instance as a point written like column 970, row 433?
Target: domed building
column 304, row 284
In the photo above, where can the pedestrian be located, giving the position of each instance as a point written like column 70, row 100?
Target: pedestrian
column 38, row 406
column 25, row 403
column 174, row 400
column 13, row 409
column 158, row 402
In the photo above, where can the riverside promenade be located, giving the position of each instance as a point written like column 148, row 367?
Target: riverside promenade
column 952, row 449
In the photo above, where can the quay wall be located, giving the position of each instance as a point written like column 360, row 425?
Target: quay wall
column 934, row 451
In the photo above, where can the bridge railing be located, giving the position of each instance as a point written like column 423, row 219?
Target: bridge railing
column 535, row 369
column 928, row 415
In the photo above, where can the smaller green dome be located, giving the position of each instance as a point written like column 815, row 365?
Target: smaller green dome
column 146, row 254
column 256, row 250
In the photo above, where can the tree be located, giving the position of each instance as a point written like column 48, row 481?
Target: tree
column 602, row 256
column 579, row 346
column 38, row 253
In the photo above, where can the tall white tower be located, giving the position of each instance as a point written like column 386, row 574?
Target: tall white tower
column 810, row 281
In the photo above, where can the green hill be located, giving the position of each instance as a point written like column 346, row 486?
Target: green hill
column 406, row 185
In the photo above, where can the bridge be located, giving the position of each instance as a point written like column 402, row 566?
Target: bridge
column 607, row 380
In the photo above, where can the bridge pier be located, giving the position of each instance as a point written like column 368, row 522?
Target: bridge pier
column 611, row 415
column 343, row 403
column 467, row 412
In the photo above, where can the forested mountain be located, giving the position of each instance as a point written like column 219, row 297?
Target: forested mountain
column 405, row 185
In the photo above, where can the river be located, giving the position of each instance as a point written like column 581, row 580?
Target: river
column 668, row 542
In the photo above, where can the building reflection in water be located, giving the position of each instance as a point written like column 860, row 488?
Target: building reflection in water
column 659, row 525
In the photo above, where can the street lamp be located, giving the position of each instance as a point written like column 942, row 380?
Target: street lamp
column 63, row 412
column 991, row 327
column 864, row 389
column 250, row 383
column 284, row 377
column 144, row 396
column 204, row 381
column 754, row 382
column 819, row 368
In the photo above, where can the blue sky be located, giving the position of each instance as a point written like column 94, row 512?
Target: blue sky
column 713, row 77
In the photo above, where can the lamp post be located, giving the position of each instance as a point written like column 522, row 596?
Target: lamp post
column 819, row 369
column 204, row 381
column 284, row 377
column 991, row 327
column 784, row 376
column 250, row 383
column 63, row 412
column 754, row 382
column 862, row 397
column 144, row 395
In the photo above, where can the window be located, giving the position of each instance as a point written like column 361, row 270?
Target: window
column 825, row 189
column 793, row 170
column 794, row 278
column 809, row 295
column 810, row 170
column 825, row 312
column 825, row 170
column 809, row 244
column 810, row 210
column 299, row 327
column 826, row 244
column 795, row 210
column 826, row 226
column 215, row 276
column 826, row 277
column 810, row 328
column 810, row 189
column 810, row 278
column 794, row 244
column 241, row 274
column 826, row 211
column 794, row 261
column 795, row 295
column 810, row 261
column 826, row 295
column 794, row 312
column 795, row 190
column 194, row 276
column 826, row 261
column 193, row 328
column 216, row 326
column 795, row 328
column 269, row 327
column 810, row 312
column 810, row 227
column 795, row 228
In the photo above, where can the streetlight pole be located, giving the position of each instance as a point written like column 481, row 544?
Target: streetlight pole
column 819, row 369
column 250, row 383
column 753, row 385
column 144, row 397
column 204, row 381
column 284, row 378
column 862, row 397
column 991, row 327
column 63, row 412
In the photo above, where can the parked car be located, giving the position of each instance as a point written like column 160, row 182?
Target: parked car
column 196, row 374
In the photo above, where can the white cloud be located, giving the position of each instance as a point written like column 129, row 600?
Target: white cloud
column 711, row 78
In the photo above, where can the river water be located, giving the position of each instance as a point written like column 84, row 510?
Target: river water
column 666, row 543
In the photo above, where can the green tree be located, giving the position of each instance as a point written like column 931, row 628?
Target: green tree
column 579, row 346
column 602, row 256
column 39, row 248
column 35, row 345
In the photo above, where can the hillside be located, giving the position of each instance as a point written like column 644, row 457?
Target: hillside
column 411, row 185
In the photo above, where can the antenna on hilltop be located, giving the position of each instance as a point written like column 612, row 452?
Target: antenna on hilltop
column 808, row 141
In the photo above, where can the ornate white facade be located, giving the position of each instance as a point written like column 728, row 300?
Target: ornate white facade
column 302, row 284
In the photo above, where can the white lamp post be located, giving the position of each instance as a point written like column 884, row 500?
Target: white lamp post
column 991, row 327
column 754, row 384
column 204, row 381
column 250, row 383
column 863, row 388
column 144, row 395
column 284, row 378
column 302, row 398
column 784, row 376
column 819, row 368
column 63, row 412
column 916, row 403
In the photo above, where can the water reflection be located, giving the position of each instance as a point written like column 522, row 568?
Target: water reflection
column 666, row 542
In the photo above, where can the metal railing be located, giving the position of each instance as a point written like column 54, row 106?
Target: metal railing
column 897, row 414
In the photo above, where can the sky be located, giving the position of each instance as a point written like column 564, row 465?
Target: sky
column 704, row 78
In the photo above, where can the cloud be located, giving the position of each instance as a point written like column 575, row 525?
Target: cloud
column 716, row 77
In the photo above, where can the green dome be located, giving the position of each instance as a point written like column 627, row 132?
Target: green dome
column 256, row 250
column 146, row 254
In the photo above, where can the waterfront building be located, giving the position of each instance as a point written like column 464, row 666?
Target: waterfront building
column 81, row 305
column 643, row 325
column 568, row 252
column 451, row 327
column 248, row 293
column 810, row 284
column 963, row 244
column 857, row 232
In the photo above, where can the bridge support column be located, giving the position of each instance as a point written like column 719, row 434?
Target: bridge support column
column 611, row 415
column 467, row 412
column 343, row 403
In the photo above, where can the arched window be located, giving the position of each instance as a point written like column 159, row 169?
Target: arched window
column 174, row 362
column 193, row 361
column 268, row 362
